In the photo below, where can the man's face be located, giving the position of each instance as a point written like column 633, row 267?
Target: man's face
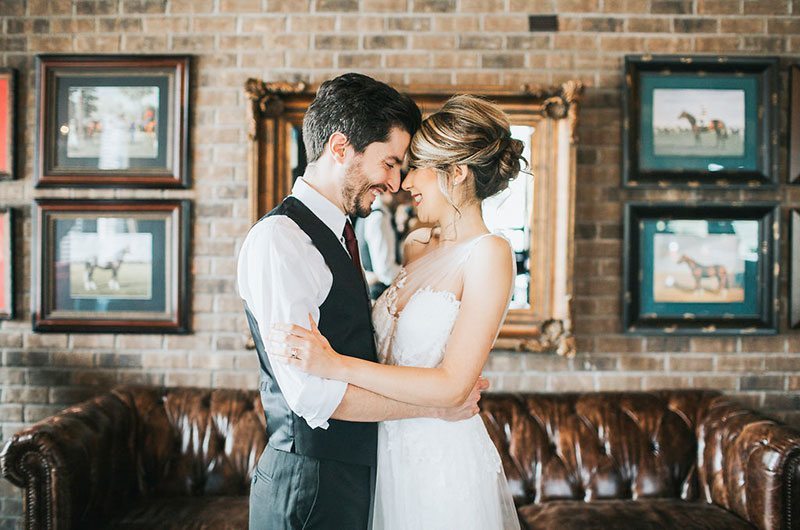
column 373, row 172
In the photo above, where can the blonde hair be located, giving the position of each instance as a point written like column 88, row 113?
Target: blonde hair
column 473, row 132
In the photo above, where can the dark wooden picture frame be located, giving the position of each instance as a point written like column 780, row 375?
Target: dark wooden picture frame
column 687, row 159
column 794, row 125
column 8, row 129
column 6, row 264
column 112, row 121
column 79, row 250
column 669, row 291
column 794, row 273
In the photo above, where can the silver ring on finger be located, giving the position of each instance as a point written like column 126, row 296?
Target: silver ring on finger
column 294, row 352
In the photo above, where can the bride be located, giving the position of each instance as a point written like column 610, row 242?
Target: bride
column 435, row 326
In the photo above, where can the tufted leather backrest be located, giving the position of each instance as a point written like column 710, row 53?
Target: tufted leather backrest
column 594, row 446
column 741, row 456
column 195, row 441
column 554, row 446
column 91, row 461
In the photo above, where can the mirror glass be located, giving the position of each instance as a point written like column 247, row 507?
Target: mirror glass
column 510, row 212
column 297, row 152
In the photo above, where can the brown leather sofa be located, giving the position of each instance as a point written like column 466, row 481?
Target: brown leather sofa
column 141, row 457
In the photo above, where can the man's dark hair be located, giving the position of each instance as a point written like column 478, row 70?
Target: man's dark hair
column 363, row 109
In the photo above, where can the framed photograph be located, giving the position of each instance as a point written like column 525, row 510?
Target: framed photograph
column 794, row 280
column 701, row 269
column 700, row 121
column 7, row 121
column 111, row 266
column 106, row 120
column 6, row 264
column 794, row 124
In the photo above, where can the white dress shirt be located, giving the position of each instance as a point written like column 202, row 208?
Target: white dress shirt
column 381, row 241
column 283, row 277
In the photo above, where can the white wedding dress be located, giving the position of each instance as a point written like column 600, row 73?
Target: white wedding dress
column 433, row 474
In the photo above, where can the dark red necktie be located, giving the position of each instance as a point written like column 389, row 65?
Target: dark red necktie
column 352, row 245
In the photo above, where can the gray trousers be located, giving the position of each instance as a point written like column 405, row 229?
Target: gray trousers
column 294, row 492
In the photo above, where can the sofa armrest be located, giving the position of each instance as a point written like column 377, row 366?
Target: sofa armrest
column 750, row 465
column 77, row 466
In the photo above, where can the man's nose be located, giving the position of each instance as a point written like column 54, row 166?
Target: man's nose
column 394, row 181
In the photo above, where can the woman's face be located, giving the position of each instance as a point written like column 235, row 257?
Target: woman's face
column 427, row 197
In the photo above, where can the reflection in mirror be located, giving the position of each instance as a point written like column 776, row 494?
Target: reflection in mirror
column 509, row 213
column 297, row 151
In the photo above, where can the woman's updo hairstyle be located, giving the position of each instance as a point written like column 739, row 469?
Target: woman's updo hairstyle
column 473, row 132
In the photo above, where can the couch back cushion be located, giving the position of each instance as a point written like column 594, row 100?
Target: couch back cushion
column 604, row 445
column 193, row 441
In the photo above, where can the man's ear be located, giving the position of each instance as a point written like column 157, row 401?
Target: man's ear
column 338, row 146
column 460, row 175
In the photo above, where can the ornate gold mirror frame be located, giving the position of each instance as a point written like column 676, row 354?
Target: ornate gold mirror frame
column 543, row 323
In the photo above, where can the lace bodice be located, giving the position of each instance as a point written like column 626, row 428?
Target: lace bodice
column 415, row 316
column 432, row 473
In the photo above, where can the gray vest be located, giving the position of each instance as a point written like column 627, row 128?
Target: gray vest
column 345, row 320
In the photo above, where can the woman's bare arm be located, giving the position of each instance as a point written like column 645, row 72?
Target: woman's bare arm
column 488, row 276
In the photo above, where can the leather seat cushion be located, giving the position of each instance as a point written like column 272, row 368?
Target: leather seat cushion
column 189, row 513
column 642, row 514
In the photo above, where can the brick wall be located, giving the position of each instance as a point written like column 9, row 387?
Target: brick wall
column 400, row 41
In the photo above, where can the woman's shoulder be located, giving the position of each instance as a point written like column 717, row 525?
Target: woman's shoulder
column 490, row 251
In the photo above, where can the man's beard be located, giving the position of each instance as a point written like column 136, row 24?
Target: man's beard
column 356, row 187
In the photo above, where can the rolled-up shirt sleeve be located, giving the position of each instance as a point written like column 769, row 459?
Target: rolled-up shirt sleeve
column 283, row 278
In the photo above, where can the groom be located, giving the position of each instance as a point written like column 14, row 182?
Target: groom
column 317, row 470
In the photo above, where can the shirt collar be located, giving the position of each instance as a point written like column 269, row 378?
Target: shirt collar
column 328, row 213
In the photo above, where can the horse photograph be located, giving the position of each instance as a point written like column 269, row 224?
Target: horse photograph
column 698, row 122
column 109, row 262
column 691, row 265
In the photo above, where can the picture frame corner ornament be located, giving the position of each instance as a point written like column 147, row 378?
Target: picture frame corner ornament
column 556, row 107
column 567, row 348
column 266, row 99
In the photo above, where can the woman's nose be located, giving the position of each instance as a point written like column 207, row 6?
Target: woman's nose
column 405, row 183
